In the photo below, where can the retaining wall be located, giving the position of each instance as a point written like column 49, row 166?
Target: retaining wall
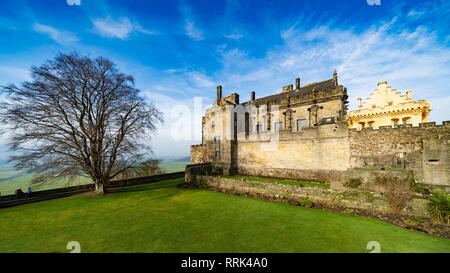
column 370, row 201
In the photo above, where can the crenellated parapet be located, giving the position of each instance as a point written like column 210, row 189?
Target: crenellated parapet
column 401, row 127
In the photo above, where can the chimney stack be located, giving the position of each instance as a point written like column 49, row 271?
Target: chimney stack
column 297, row 83
column 219, row 92
column 408, row 94
column 253, row 95
column 359, row 102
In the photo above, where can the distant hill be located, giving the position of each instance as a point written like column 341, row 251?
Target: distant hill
column 187, row 158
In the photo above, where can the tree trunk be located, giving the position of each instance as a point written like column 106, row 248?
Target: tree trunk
column 99, row 188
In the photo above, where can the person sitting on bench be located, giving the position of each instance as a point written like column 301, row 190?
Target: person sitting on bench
column 29, row 192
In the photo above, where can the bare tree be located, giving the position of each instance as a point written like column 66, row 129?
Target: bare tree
column 78, row 116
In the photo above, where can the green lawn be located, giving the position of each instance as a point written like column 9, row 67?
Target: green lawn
column 280, row 181
column 160, row 217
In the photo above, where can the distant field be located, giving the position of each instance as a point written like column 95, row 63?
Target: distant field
column 11, row 179
column 172, row 165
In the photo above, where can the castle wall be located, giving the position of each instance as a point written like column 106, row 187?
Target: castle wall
column 423, row 149
column 198, row 154
column 317, row 154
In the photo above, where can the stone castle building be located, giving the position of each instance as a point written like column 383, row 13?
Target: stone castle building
column 303, row 133
column 387, row 107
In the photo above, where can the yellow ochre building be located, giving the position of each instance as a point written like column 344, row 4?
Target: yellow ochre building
column 387, row 107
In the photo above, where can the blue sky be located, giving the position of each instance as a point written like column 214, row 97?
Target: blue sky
column 178, row 50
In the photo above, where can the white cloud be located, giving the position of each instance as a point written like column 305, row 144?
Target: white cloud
column 234, row 36
column 61, row 37
column 121, row 28
column 190, row 27
column 415, row 14
column 192, row 31
column 200, row 79
column 73, row 2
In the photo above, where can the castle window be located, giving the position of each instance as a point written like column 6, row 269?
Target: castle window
column 395, row 123
column 217, row 153
column 212, row 124
column 216, row 139
column 405, row 120
column 328, row 120
column 278, row 126
column 301, row 123
column 247, row 124
column 370, row 123
column 258, row 127
column 363, row 125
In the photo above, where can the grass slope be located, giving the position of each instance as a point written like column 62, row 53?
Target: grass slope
column 160, row 217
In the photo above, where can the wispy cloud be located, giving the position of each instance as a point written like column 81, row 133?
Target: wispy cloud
column 234, row 36
column 59, row 36
column 73, row 2
column 121, row 28
column 415, row 14
column 200, row 79
column 192, row 31
column 190, row 27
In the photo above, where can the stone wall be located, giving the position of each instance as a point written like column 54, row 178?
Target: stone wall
column 424, row 150
column 198, row 154
column 194, row 170
column 436, row 161
column 316, row 175
column 368, row 178
column 373, row 202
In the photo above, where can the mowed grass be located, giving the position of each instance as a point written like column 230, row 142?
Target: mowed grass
column 161, row 217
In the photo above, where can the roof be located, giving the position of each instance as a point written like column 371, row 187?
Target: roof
column 327, row 85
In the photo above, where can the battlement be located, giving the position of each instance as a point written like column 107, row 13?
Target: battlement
column 404, row 126
column 197, row 145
